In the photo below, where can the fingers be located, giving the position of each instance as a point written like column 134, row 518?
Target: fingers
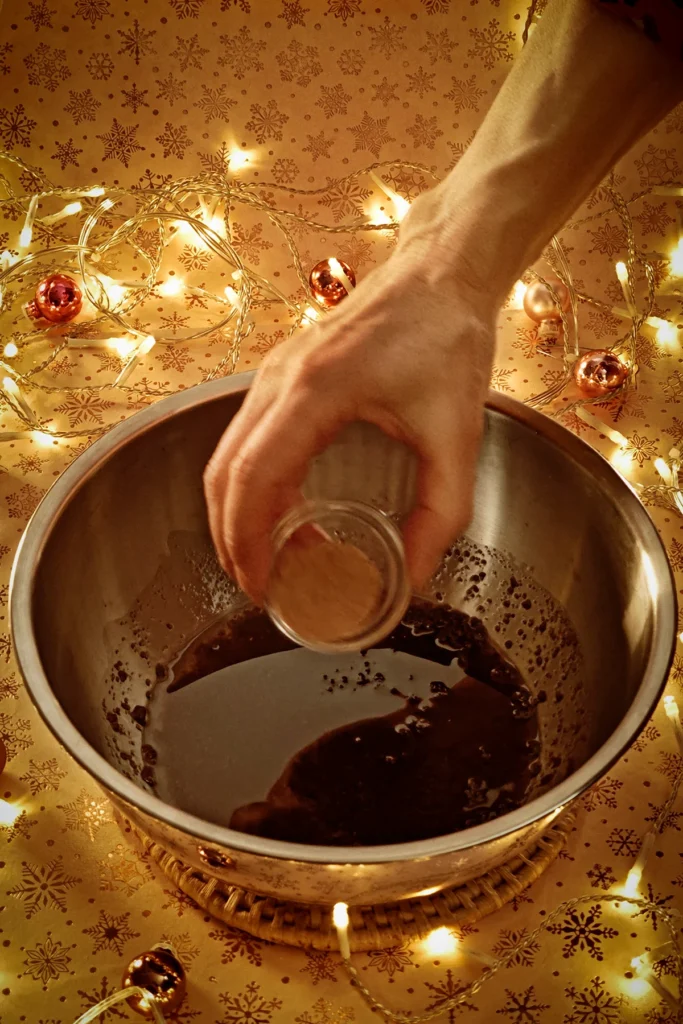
column 444, row 503
column 257, row 401
column 264, row 478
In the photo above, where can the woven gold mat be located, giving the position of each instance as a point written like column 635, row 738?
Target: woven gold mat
column 372, row 927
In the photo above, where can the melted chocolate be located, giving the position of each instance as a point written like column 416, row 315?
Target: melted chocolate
column 430, row 768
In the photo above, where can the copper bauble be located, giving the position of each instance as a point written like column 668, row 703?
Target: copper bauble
column 326, row 287
column 58, row 299
column 598, row 372
column 539, row 303
column 161, row 974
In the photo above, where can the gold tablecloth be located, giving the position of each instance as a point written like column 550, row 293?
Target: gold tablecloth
column 117, row 90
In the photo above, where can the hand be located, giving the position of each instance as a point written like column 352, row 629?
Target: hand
column 406, row 351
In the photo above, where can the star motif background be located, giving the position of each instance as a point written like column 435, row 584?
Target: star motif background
column 141, row 92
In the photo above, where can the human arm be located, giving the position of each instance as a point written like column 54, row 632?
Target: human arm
column 411, row 349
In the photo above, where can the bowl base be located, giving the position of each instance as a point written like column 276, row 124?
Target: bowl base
column 372, row 927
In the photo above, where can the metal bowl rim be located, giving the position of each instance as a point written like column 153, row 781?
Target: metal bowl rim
column 551, row 803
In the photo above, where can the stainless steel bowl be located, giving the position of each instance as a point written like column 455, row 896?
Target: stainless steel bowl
column 115, row 572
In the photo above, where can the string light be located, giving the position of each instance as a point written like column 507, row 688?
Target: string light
column 68, row 211
column 172, row 286
column 516, row 300
column 26, row 233
column 676, row 260
column 624, row 281
column 145, row 346
column 10, row 350
column 440, row 942
column 339, row 273
column 8, row 813
column 402, row 205
column 642, row 965
column 664, row 471
column 340, row 919
column 238, row 158
column 16, row 397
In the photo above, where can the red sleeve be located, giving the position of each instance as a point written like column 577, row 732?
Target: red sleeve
column 660, row 20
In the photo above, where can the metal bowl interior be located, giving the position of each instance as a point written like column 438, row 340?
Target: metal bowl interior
column 116, row 573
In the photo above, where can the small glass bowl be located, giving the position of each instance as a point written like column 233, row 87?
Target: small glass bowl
column 372, row 533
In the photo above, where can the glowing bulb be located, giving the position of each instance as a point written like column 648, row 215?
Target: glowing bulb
column 636, row 987
column 231, row 295
column 665, row 473
column 238, row 158
column 96, row 191
column 10, row 350
column 311, row 314
column 622, row 461
column 339, row 273
column 146, row 345
column 667, row 334
column 107, row 204
column 676, row 260
column 11, row 386
column 8, row 813
column 340, row 920
column 116, row 292
column 378, row 216
column 122, row 346
column 402, row 206
column 173, row 286
column 516, row 300
column 440, row 942
column 217, row 224
column 25, row 237
column 621, row 270
column 43, row 438
column 7, row 260
column 632, row 883
column 72, row 208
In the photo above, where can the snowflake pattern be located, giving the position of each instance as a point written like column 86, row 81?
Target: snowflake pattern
column 137, row 42
column 583, row 931
column 67, row 153
column 421, row 82
column 601, row 877
column 293, row 13
column 84, row 407
column 111, row 932
column 174, row 140
column 371, row 134
column 248, row 1006
column 603, row 794
column 523, row 1007
column 508, row 940
column 593, row 1005
column 393, row 960
column 325, row 1012
column 85, row 814
column 171, row 89
column 241, row 53
column 43, row 775
column 43, row 886
column 239, row 945
column 9, row 689
column 15, row 127
column 186, row 8
column 299, row 63
column 333, row 100
column 351, row 62
column 343, row 9
column 465, row 94
column 641, row 449
column 387, row 38
column 318, row 145
column 214, row 103
column 657, row 166
column 320, row 966
column 134, row 98
column 267, row 121
column 82, row 106
column 445, row 990
column 93, row 10
column 385, row 92
column 439, row 46
column 21, row 503
column 120, row 142
column 47, row 960
column 47, row 67
column 41, row 14
column 189, row 53
column 425, row 131
column 124, row 871
column 490, row 45
column 100, row 67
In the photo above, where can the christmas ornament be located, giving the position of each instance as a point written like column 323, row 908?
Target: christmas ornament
column 160, row 973
column 539, row 303
column 58, row 299
column 598, row 372
column 327, row 283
